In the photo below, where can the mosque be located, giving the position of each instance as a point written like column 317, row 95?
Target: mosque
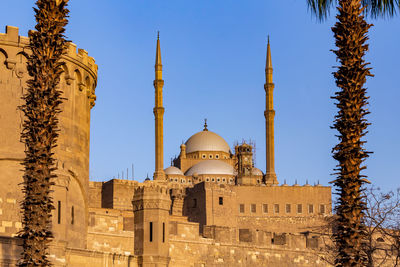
column 212, row 207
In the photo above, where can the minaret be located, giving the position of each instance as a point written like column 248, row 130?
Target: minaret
column 269, row 113
column 158, row 116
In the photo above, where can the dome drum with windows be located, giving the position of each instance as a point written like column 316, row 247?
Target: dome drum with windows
column 207, row 157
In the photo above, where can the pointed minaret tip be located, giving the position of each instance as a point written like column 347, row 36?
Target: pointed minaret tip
column 269, row 61
column 158, row 51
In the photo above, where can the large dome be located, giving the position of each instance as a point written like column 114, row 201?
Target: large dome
column 211, row 167
column 206, row 141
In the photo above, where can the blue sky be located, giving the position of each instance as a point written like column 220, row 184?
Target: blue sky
column 213, row 54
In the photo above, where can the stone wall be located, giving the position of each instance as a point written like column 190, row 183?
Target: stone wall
column 117, row 194
column 255, row 207
column 94, row 197
column 111, row 231
column 61, row 256
column 263, row 249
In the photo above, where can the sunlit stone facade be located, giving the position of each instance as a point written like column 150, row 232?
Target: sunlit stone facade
column 212, row 207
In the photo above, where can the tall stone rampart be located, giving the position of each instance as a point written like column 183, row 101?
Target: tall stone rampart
column 224, row 246
column 78, row 83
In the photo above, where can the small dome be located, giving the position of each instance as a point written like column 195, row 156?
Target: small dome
column 206, row 141
column 211, row 167
column 173, row 170
column 257, row 171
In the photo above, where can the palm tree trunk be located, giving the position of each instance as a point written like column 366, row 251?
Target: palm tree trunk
column 350, row 33
column 40, row 128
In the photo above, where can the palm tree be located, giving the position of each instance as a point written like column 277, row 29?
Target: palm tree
column 351, row 34
column 40, row 128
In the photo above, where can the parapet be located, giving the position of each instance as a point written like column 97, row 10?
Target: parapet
column 149, row 188
column 79, row 65
column 151, row 195
column 123, row 182
column 11, row 37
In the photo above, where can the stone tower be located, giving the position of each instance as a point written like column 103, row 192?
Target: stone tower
column 151, row 206
column 269, row 113
column 244, row 154
column 71, row 186
column 158, row 116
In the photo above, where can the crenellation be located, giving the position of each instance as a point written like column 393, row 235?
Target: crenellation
column 12, row 39
column 10, row 35
column 71, row 49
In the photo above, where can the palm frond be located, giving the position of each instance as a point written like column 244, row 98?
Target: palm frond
column 374, row 8
column 381, row 8
column 321, row 8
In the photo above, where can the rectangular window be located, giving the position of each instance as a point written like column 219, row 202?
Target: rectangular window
column 288, row 208
column 299, row 208
column 241, row 208
column 194, row 203
column 59, row 212
column 72, row 215
column 276, row 208
column 265, row 208
column 151, row 231
column 310, row 208
column 253, row 208
column 322, row 209
column 163, row 232
column 221, row 200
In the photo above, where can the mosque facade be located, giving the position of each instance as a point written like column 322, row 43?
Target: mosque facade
column 211, row 207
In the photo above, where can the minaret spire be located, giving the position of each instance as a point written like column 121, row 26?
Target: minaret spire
column 158, row 53
column 269, row 113
column 158, row 116
column 269, row 61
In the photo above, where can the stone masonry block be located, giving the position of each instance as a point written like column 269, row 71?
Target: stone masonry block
column 245, row 235
column 6, row 223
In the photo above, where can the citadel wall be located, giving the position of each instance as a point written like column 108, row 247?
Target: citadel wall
column 187, row 249
column 117, row 194
column 78, row 83
column 271, row 208
column 251, row 241
column 110, row 231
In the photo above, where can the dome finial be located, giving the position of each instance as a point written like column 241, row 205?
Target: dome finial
column 205, row 125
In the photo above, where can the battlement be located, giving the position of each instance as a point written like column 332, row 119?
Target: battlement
column 79, row 70
column 11, row 37
column 151, row 195
column 125, row 182
column 152, row 188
